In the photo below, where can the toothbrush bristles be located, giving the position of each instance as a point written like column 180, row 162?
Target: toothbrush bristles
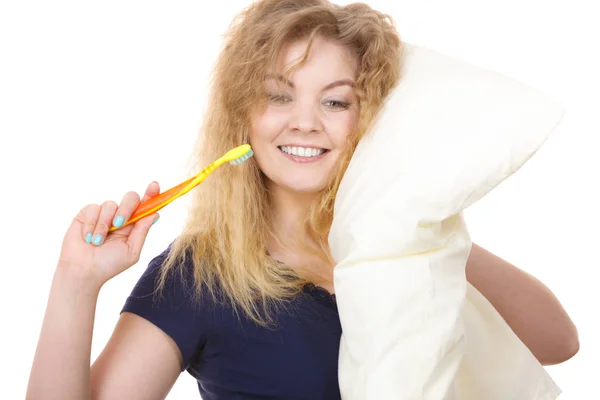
column 242, row 158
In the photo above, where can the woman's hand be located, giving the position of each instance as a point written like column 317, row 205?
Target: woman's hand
column 94, row 255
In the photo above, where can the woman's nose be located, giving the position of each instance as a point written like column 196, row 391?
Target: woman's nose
column 306, row 118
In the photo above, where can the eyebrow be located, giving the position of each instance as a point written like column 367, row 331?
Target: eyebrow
column 341, row 82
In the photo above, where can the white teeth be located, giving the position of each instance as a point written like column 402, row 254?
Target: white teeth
column 302, row 151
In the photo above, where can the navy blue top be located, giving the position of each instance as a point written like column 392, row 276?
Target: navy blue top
column 233, row 358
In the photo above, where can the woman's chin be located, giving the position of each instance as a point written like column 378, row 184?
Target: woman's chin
column 309, row 188
column 299, row 187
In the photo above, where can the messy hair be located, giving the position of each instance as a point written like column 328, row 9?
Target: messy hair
column 229, row 223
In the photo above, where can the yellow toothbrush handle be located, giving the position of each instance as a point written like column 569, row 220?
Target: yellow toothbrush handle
column 153, row 204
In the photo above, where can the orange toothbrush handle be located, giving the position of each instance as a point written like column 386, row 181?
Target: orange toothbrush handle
column 155, row 203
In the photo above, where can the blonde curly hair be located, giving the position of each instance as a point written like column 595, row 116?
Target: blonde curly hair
column 229, row 223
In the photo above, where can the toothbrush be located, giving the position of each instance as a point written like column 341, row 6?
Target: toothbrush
column 235, row 156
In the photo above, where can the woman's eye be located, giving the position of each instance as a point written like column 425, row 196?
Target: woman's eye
column 278, row 99
column 337, row 105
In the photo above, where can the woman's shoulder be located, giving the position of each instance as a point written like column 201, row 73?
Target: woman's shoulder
column 174, row 307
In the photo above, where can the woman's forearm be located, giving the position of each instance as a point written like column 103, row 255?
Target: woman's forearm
column 61, row 366
column 527, row 305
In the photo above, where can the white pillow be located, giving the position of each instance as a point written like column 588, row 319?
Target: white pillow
column 413, row 328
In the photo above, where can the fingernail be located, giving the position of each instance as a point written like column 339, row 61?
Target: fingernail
column 157, row 218
column 98, row 240
column 88, row 238
column 118, row 221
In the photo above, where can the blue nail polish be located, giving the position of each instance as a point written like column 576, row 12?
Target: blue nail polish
column 97, row 240
column 118, row 221
column 157, row 218
column 88, row 238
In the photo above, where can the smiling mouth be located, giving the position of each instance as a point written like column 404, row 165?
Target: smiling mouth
column 307, row 152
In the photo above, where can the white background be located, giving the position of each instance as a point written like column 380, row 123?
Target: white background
column 98, row 98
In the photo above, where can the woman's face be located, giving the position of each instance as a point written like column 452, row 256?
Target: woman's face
column 298, row 138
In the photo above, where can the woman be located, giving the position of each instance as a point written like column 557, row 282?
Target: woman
column 243, row 298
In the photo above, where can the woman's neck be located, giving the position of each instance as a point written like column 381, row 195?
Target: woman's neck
column 290, row 237
column 289, row 213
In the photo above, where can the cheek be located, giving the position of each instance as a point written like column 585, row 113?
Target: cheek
column 341, row 128
column 266, row 127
